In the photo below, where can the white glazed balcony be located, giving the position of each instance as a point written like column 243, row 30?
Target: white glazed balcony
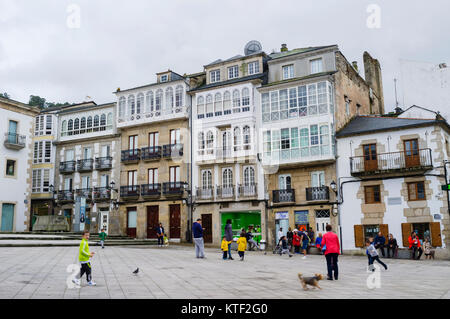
column 153, row 116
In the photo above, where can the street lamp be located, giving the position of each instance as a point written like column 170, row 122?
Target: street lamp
column 112, row 184
column 333, row 186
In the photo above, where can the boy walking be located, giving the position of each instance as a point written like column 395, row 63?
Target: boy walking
column 225, row 246
column 102, row 237
column 284, row 247
column 83, row 258
column 373, row 254
column 242, row 245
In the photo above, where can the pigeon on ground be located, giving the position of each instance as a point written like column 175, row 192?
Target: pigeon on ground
column 136, row 271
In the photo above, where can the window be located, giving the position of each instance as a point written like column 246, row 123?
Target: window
column 131, row 105
column 245, row 100
column 302, row 101
column 249, row 176
column 201, row 143
column 312, row 99
column 236, row 101
column 48, row 152
column 103, row 122
column 371, row 231
column 109, row 120
column 322, row 97
column 169, row 100
column 179, row 96
column 158, row 101
column 416, row 191
column 139, row 103
column 149, row 105
column 164, row 78
column 372, row 194
column 200, row 107
column 288, row 72
column 122, row 106
column 233, row 72
column 153, row 140
column 209, row 142
column 96, row 123
column 227, row 178
column 132, row 178
column 209, row 106
column 347, row 105
column 36, row 181
column 76, row 127
column 153, row 176
column 83, row 125
column 43, row 125
column 10, row 167
column 175, row 136
column 284, row 104
column 174, row 174
column 265, row 107
column 218, row 104
column 237, row 138
column 64, row 128
column 89, row 124
column 247, row 138
column 253, row 68
column 316, row 66
column 214, row 76
column 42, row 152
column 206, row 179
column 132, row 142
column 275, row 115
column 48, row 125
column 293, row 110
column 227, row 103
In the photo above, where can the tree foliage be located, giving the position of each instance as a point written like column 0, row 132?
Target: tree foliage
column 40, row 102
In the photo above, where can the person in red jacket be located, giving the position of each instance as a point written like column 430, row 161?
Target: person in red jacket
column 296, row 242
column 331, row 241
column 414, row 244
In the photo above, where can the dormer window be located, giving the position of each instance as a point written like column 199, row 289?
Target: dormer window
column 288, row 71
column 233, row 72
column 214, row 76
column 164, row 78
column 253, row 68
column 316, row 66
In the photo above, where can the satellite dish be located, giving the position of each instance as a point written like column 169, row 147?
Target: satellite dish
column 252, row 47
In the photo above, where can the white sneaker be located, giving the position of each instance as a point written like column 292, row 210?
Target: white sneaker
column 304, row 257
column 91, row 283
column 76, row 281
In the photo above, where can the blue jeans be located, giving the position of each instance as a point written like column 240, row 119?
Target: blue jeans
column 332, row 265
column 229, row 251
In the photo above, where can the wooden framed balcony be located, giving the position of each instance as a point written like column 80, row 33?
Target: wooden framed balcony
column 85, row 165
column 103, row 163
column 318, row 194
column 394, row 162
column 130, row 156
column 151, row 190
column 283, row 196
column 152, row 153
column 67, row 167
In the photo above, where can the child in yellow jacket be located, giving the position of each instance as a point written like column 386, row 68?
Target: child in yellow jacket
column 224, row 247
column 242, row 246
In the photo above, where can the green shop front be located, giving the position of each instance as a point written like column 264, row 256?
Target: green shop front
column 243, row 220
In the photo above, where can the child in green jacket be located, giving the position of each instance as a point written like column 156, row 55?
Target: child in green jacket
column 102, row 237
column 83, row 258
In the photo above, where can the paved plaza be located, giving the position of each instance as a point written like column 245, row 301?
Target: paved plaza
column 174, row 272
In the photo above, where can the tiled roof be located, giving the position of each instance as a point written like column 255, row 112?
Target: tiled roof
column 278, row 55
column 222, row 83
column 370, row 124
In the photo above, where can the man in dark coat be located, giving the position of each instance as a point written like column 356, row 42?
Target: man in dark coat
column 229, row 236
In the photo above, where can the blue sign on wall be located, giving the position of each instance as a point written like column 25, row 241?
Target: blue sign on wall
column 301, row 217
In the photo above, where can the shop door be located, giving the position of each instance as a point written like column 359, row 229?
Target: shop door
column 103, row 223
column 152, row 221
column 370, row 158
column 412, row 158
column 175, row 221
column 7, row 217
column 207, row 225
column 131, row 221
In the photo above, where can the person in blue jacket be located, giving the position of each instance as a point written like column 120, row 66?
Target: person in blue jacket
column 197, row 231
column 379, row 242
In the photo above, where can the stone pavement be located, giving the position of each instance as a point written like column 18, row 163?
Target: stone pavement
column 174, row 272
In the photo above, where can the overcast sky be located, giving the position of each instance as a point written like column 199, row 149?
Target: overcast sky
column 124, row 43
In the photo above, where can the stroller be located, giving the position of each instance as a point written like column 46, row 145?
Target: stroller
column 278, row 248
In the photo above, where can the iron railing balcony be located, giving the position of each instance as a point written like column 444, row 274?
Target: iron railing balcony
column 151, row 153
column 173, row 188
column 222, row 153
column 204, row 193
column 130, row 192
column 247, row 190
column 84, row 192
column 14, row 141
column 373, row 164
column 85, row 165
column 67, row 167
column 151, row 190
column 283, row 196
column 225, row 192
column 65, row 196
column 103, row 163
column 131, row 156
column 318, row 193
column 173, row 150
column 101, row 194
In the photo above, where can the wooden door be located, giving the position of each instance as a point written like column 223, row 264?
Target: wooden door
column 207, row 225
column 370, row 157
column 152, row 221
column 175, row 221
column 131, row 221
column 412, row 158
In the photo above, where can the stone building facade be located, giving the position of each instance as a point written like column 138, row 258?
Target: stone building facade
column 154, row 168
column 310, row 93
column 397, row 165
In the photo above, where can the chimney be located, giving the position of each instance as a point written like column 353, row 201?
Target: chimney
column 355, row 65
column 284, row 47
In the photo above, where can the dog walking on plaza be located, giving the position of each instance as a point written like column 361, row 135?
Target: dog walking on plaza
column 312, row 281
column 83, row 258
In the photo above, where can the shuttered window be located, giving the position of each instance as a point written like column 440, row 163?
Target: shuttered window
column 372, row 194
